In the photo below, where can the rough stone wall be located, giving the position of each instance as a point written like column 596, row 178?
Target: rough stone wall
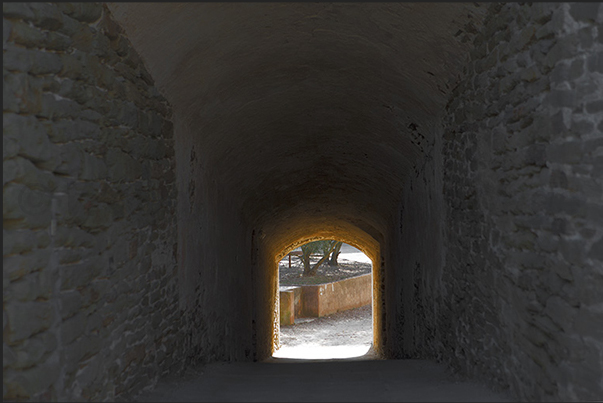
column 417, row 252
column 520, row 303
column 213, row 256
column 90, row 287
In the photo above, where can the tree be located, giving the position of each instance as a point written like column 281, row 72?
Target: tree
column 311, row 248
column 335, row 254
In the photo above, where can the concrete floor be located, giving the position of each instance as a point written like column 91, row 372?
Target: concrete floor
column 286, row 380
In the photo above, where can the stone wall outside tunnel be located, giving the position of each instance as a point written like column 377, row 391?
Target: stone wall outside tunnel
column 89, row 237
column 518, row 291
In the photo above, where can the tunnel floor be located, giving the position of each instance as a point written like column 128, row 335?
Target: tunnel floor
column 283, row 380
column 364, row 378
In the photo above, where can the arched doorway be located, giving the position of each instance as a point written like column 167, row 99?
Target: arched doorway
column 346, row 233
column 325, row 301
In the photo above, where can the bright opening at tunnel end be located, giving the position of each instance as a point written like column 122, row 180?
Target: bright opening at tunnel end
column 328, row 315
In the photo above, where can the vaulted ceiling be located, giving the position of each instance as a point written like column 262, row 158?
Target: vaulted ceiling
column 306, row 108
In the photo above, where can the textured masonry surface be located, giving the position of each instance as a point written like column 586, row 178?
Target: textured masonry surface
column 88, row 206
column 518, row 290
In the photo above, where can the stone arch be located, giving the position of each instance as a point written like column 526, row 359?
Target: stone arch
column 285, row 238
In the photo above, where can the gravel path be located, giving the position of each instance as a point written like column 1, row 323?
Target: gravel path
column 353, row 326
column 346, row 334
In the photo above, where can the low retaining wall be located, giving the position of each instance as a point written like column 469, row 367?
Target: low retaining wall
column 324, row 299
column 288, row 305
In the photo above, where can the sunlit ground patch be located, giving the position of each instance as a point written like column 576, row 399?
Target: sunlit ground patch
column 318, row 352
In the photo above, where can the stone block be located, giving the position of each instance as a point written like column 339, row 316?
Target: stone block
column 71, row 26
column 25, row 35
column 569, row 152
column 73, row 328
column 576, row 69
column 6, row 30
column 595, row 106
column 128, row 115
column 71, row 156
column 26, row 319
column 588, row 323
column 9, row 357
column 84, row 12
column 47, row 16
column 14, row 385
column 35, row 145
column 561, row 313
column 582, row 127
column 80, row 274
column 63, row 131
column 10, row 147
column 560, row 73
column 587, row 37
column 588, row 187
column 23, row 240
column 90, row 375
column 167, row 129
column 33, row 350
column 530, row 74
column 138, row 146
column 54, row 107
column 23, row 207
column 547, row 242
column 122, row 167
column 83, row 348
column 573, row 251
column 558, row 179
column 562, row 270
column 535, row 155
column 17, row 10
column 17, row 266
column 91, row 115
column 94, row 324
column 73, row 69
column 522, row 39
column 93, row 168
column 69, row 256
column 71, row 303
column 10, row 169
column 595, row 62
column 23, row 171
column 17, row 95
column 98, row 217
column 26, row 383
column 33, row 286
column 596, row 251
column 584, row 11
column 561, row 98
column 31, row 61
column 564, row 48
column 82, row 40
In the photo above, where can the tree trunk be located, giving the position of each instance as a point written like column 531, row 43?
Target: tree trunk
column 312, row 272
column 307, row 266
column 335, row 254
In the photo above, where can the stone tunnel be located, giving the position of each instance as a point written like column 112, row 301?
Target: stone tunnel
column 160, row 158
